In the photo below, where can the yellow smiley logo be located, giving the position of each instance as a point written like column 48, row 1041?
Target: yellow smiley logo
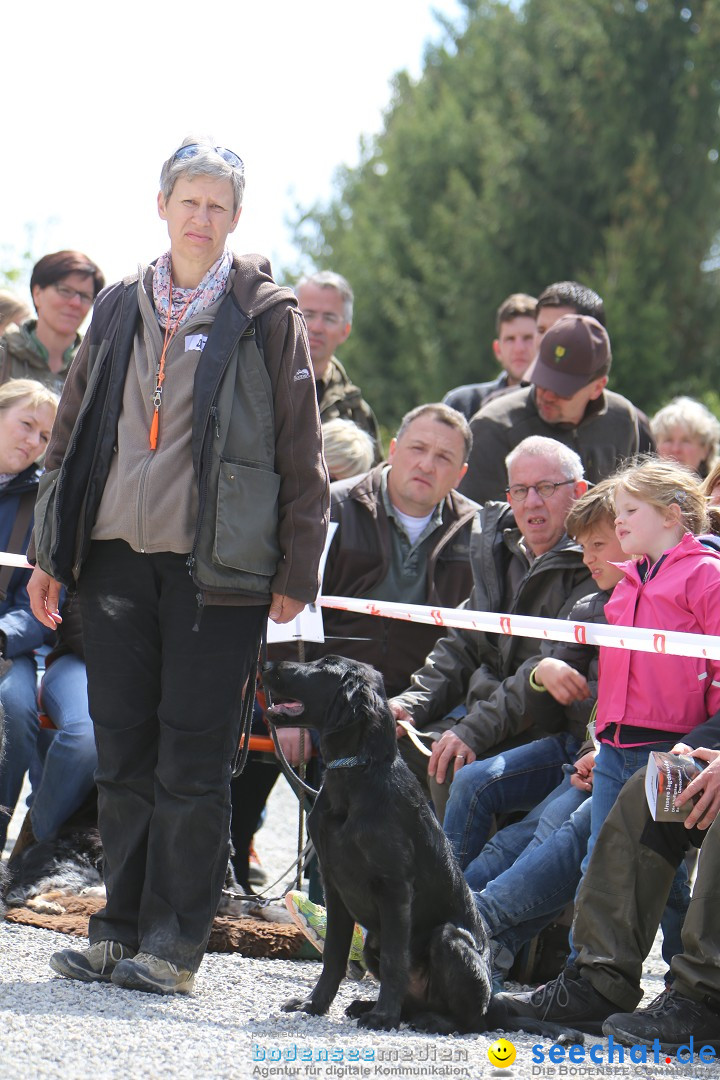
column 501, row 1053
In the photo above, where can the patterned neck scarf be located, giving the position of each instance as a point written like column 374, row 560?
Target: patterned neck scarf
column 188, row 302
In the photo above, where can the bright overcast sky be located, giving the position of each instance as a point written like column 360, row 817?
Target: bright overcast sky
column 97, row 95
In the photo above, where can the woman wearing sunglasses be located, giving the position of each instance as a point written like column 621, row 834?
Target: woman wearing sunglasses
column 63, row 287
column 186, row 498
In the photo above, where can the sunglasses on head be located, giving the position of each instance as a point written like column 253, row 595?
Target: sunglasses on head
column 193, row 149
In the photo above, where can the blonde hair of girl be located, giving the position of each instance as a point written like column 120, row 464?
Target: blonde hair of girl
column 662, row 483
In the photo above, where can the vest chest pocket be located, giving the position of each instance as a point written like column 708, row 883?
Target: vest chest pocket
column 246, row 518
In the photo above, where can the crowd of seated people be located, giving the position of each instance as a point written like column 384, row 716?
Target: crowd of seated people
column 550, row 843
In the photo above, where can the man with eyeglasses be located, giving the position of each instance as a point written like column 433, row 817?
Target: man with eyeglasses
column 326, row 301
column 472, row 688
column 63, row 286
column 567, row 400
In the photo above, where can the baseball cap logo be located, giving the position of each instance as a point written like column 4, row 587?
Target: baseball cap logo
column 559, row 353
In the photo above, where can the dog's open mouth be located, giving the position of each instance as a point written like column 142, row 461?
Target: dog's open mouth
column 285, row 710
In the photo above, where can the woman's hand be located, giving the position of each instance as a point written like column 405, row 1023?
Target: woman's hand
column 283, row 609
column 44, row 593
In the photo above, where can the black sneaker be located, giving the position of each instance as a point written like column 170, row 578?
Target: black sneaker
column 568, row 1002
column 672, row 1019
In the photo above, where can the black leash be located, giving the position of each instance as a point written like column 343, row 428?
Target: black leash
column 246, row 713
column 247, row 706
column 297, row 783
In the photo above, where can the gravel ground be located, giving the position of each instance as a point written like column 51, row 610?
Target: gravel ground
column 233, row 1024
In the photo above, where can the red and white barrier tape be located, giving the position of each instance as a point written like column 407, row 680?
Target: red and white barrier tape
column 8, row 559
column 636, row 638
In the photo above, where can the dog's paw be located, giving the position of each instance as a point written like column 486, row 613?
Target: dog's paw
column 359, row 1007
column 304, row 1005
column 379, row 1021
column 44, row 906
column 94, row 890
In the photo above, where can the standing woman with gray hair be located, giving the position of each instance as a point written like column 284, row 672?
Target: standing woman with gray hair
column 185, row 499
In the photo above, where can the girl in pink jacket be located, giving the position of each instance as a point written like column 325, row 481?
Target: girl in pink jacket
column 653, row 701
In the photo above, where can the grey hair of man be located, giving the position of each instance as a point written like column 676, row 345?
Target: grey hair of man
column 207, row 162
column 328, row 279
column 444, row 414
column 566, row 459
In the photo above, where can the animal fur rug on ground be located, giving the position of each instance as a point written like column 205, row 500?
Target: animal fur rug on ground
column 57, row 884
column 253, row 937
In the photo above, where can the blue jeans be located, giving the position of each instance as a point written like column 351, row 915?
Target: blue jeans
column 519, row 899
column 517, row 779
column 614, row 765
column 69, row 766
column 18, row 698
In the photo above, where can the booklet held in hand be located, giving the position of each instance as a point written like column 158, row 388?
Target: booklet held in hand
column 667, row 775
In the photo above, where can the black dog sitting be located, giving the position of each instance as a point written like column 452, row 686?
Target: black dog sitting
column 384, row 859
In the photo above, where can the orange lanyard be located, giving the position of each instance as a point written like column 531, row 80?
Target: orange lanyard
column 160, row 374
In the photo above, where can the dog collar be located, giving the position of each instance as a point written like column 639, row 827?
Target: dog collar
column 346, row 762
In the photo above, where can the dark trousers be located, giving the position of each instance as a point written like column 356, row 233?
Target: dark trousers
column 623, row 894
column 249, row 792
column 165, row 703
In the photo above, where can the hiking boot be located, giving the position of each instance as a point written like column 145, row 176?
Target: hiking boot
column 312, row 920
column 153, row 975
column 95, row 964
column 672, row 1019
column 569, row 1001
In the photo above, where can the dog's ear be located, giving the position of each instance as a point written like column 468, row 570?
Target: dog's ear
column 365, row 711
column 343, row 724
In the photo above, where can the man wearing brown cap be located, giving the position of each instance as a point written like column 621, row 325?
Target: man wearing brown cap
column 567, row 400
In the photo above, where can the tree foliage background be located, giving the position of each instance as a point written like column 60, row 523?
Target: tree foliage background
column 544, row 141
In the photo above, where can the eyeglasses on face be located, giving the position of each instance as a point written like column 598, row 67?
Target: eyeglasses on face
column 69, row 294
column 193, row 149
column 545, row 489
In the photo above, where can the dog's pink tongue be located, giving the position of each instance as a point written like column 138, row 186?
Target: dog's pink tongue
column 285, row 708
